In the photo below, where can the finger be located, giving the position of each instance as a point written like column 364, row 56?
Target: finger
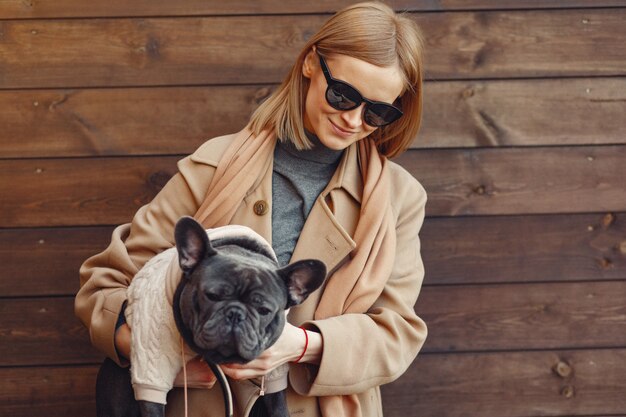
column 241, row 373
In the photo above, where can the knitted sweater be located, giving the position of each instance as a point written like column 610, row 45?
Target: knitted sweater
column 156, row 356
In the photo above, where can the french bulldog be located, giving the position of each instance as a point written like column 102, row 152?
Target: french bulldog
column 229, row 307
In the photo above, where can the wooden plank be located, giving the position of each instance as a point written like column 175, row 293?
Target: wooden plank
column 135, row 121
column 12, row 9
column 40, row 331
column 58, row 192
column 45, row 262
column 144, row 121
column 580, row 315
column 105, row 191
column 523, row 113
column 524, row 316
column 521, row 181
column 193, row 51
column 524, row 248
column 516, row 384
column 48, row 391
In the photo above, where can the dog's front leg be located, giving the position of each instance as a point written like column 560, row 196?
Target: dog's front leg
column 150, row 409
column 276, row 404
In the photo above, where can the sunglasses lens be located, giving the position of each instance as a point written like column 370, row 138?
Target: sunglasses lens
column 342, row 96
column 381, row 115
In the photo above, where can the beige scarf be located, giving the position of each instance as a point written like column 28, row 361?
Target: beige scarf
column 356, row 285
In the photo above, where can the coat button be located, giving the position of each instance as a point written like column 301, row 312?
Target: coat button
column 261, row 207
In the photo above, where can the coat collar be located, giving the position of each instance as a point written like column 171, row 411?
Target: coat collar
column 327, row 232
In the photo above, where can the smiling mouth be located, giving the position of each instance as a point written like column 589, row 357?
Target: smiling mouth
column 340, row 130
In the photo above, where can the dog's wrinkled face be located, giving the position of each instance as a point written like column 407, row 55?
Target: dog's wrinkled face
column 232, row 299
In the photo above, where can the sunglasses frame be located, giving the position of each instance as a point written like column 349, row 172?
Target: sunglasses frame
column 330, row 81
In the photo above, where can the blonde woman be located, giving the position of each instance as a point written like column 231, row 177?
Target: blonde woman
column 310, row 174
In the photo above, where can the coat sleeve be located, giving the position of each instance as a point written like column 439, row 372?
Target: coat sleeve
column 105, row 277
column 362, row 351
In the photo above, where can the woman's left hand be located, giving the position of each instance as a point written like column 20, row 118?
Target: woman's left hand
column 288, row 347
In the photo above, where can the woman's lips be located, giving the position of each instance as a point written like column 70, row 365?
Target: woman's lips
column 339, row 131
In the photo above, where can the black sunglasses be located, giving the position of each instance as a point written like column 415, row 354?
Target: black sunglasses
column 342, row 96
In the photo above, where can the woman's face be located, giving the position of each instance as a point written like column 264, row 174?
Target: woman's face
column 338, row 129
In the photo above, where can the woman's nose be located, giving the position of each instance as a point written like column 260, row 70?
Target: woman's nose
column 353, row 118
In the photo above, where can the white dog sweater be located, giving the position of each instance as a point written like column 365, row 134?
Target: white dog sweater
column 156, row 356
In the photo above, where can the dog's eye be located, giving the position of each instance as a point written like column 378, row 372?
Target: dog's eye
column 264, row 311
column 212, row 296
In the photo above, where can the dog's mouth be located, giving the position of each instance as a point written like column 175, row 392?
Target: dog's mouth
column 229, row 343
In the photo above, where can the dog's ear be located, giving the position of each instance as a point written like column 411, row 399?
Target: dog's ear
column 302, row 278
column 192, row 243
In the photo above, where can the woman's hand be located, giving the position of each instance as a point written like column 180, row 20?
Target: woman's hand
column 288, row 348
column 122, row 341
column 199, row 375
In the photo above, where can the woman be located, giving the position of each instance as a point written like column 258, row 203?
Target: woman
column 310, row 174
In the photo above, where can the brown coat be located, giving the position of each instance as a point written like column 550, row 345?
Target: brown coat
column 361, row 351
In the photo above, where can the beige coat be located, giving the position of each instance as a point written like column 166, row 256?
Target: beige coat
column 361, row 351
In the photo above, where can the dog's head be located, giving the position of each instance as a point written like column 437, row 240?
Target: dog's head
column 230, row 303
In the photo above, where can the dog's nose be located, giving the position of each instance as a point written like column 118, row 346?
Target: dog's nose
column 235, row 315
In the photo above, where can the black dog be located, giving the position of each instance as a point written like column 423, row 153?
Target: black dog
column 229, row 307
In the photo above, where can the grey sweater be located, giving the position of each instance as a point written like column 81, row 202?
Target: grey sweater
column 298, row 178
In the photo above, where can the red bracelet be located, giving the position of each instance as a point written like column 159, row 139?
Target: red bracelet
column 306, row 345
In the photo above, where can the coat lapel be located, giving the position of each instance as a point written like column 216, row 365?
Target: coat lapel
column 328, row 230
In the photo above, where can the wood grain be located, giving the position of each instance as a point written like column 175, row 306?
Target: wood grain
column 48, row 391
column 133, row 121
column 12, row 9
column 554, row 112
column 460, row 319
column 45, row 261
column 43, row 331
column 511, row 249
column 524, row 316
column 205, row 50
column 105, row 191
column 515, row 384
column 176, row 120
column 57, row 192
column 521, row 181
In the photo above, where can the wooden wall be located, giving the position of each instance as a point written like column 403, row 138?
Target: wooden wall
column 523, row 154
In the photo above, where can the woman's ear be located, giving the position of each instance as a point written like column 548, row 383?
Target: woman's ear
column 309, row 63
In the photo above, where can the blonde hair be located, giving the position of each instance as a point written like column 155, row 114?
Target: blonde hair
column 371, row 32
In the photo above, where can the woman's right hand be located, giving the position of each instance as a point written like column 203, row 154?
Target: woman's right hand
column 199, row 375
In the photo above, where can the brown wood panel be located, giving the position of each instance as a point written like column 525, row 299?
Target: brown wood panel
column 39, row 262
column 175, row 51
column 524, row 248
column 40, row 331
column 524, row 316
column 10, row 9
column 460, row 318
column 519, row 384
column 48, row 391
column 134, row 121
column 61, row 192
column 521, row 181
column 57, row 192
column 144, row 121
column 45, row 261
column 523, row 112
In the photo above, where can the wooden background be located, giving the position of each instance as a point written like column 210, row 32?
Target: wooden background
column 522, row 152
